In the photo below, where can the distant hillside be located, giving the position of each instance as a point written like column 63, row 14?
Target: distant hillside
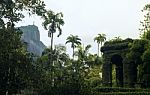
column 31, row 36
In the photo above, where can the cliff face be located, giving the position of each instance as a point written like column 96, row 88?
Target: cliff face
column 31, row 36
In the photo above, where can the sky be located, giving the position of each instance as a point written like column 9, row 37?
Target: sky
column 87, row 18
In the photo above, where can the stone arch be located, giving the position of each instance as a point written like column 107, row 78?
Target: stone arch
column 115, row 53
column 117, row 60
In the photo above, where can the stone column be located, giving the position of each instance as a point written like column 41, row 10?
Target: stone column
column 133, row 75
column 146, row 75
column 125, row 74
column 107, row 72
column 119, row 76
column 130, row 74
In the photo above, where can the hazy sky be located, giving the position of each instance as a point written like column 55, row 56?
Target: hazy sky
column 87, row 18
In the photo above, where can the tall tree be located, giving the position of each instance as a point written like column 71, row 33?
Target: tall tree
column 75, row 41
column 100, row 39
column 12, row 9
column 14, row 59
column 52, row 23
column 145, row 24
column 55, row 74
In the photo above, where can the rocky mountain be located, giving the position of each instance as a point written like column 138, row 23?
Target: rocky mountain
column 31, row 36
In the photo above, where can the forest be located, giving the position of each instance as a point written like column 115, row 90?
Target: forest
column 57, row 73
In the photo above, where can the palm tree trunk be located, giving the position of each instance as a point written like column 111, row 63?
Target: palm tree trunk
column 51, row 61
column 73, row 53
column 101, row 46
column 98, row 49
column 52, row 42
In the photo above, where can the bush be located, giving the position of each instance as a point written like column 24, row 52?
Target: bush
column 117, row 89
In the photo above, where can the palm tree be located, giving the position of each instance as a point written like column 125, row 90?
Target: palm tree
column 81, row 65
column 82, row 52
column 100, row 39
column 52, row 23
column 75, row 41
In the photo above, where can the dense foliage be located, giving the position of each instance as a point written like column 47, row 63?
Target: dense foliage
column 15, row 61
column 145, row 24
column 65, row 75
column 55, row 73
